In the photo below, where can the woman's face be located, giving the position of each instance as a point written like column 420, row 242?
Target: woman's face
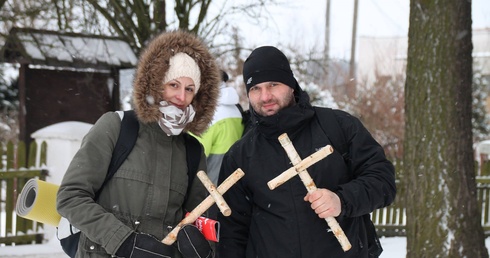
column 179, row 92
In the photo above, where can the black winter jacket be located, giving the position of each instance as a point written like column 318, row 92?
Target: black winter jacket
column 279, row 223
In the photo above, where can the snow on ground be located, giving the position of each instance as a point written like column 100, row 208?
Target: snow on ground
column 394, row 247
column 51, row 249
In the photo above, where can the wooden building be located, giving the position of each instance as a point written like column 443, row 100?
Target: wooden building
column 65, row 76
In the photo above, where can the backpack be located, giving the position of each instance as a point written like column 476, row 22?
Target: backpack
column 128, row 135
column 340, row 143
column 246, row 119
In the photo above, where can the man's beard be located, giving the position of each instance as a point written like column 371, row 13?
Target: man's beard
column 290, row 100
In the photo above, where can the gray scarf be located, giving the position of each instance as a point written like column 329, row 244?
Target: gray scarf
column 174, row 119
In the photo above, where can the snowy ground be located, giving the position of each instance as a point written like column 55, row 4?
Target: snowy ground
column 394, row 247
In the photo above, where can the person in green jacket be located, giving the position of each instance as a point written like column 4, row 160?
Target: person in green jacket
column 176, row 88
column 226, row 128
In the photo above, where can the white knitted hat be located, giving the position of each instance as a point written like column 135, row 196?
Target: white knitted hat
column 182, row 65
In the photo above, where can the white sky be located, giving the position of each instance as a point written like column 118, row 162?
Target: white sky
column 302, row 23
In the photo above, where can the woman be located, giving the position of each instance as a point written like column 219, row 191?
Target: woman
column 176, row 88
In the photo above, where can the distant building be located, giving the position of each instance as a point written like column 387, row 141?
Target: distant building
column 388, row 56
column 331, row 78
column 481, row 51
column 65, row 76
column 381, row 57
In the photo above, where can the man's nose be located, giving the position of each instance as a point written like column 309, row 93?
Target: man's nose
column 265, row 94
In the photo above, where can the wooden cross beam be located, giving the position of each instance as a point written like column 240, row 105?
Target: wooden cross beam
column 206, row 203
column 215, row 194
column 299, row 168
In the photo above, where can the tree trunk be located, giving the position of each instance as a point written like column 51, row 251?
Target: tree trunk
column 443, row 218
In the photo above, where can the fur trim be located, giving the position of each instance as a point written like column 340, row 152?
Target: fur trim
column 154, row 65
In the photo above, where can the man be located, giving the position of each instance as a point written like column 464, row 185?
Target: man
column 287, row 221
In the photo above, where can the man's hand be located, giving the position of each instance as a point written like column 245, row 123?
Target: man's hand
column 324, row 202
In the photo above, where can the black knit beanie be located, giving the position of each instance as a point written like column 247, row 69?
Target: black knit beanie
column 267, row 64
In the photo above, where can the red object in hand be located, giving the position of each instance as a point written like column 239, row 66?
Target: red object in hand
column 208, row 227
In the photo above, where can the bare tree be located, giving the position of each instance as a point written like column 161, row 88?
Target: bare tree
column 2, row 2
column 135, row 21
column 24, row 13
column 443, row 218
column 380, row 106
column 481, row 118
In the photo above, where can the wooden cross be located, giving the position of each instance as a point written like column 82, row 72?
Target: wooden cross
column 215, row 196
column 299, row 168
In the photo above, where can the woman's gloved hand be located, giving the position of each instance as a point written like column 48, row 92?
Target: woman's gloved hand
column 141, row 245
column 192, row 244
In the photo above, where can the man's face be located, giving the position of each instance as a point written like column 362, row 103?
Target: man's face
column 267, row 98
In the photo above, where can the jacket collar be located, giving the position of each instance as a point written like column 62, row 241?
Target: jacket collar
column 289, row 120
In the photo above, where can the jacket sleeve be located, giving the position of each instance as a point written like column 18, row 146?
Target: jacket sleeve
column 234, row 228
column 373, row 175
column 84, row 177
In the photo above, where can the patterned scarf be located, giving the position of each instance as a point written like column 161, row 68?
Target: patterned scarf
column 174, row 119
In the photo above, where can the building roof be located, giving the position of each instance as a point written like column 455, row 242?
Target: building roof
column 58, row 49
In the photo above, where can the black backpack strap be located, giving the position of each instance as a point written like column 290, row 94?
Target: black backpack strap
column 128, row 135
column 239, row 107
column 246, row 119
column 333, row 130
column 193, row 151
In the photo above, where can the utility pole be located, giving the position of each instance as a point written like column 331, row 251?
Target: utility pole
column 351, row 85
column 326, row 49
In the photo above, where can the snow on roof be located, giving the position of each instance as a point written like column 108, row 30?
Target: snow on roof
column 70, row 130
column 42, row 47
column 483, row 147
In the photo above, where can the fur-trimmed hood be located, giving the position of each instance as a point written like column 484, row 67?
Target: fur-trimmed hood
column 154, row 64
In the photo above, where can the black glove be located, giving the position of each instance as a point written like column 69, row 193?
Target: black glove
column 192, row 244
column 141, row 245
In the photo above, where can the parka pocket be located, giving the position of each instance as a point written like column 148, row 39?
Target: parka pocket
column 127, row 192
column 135, row 175
column 178, row 193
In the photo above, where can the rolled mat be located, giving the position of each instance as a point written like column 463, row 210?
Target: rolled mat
column 37, row 202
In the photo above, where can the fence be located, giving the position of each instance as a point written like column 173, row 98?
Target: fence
column 391, row 220
column 15, row 170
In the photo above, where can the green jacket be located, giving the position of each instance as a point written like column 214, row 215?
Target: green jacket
column 147, row 192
